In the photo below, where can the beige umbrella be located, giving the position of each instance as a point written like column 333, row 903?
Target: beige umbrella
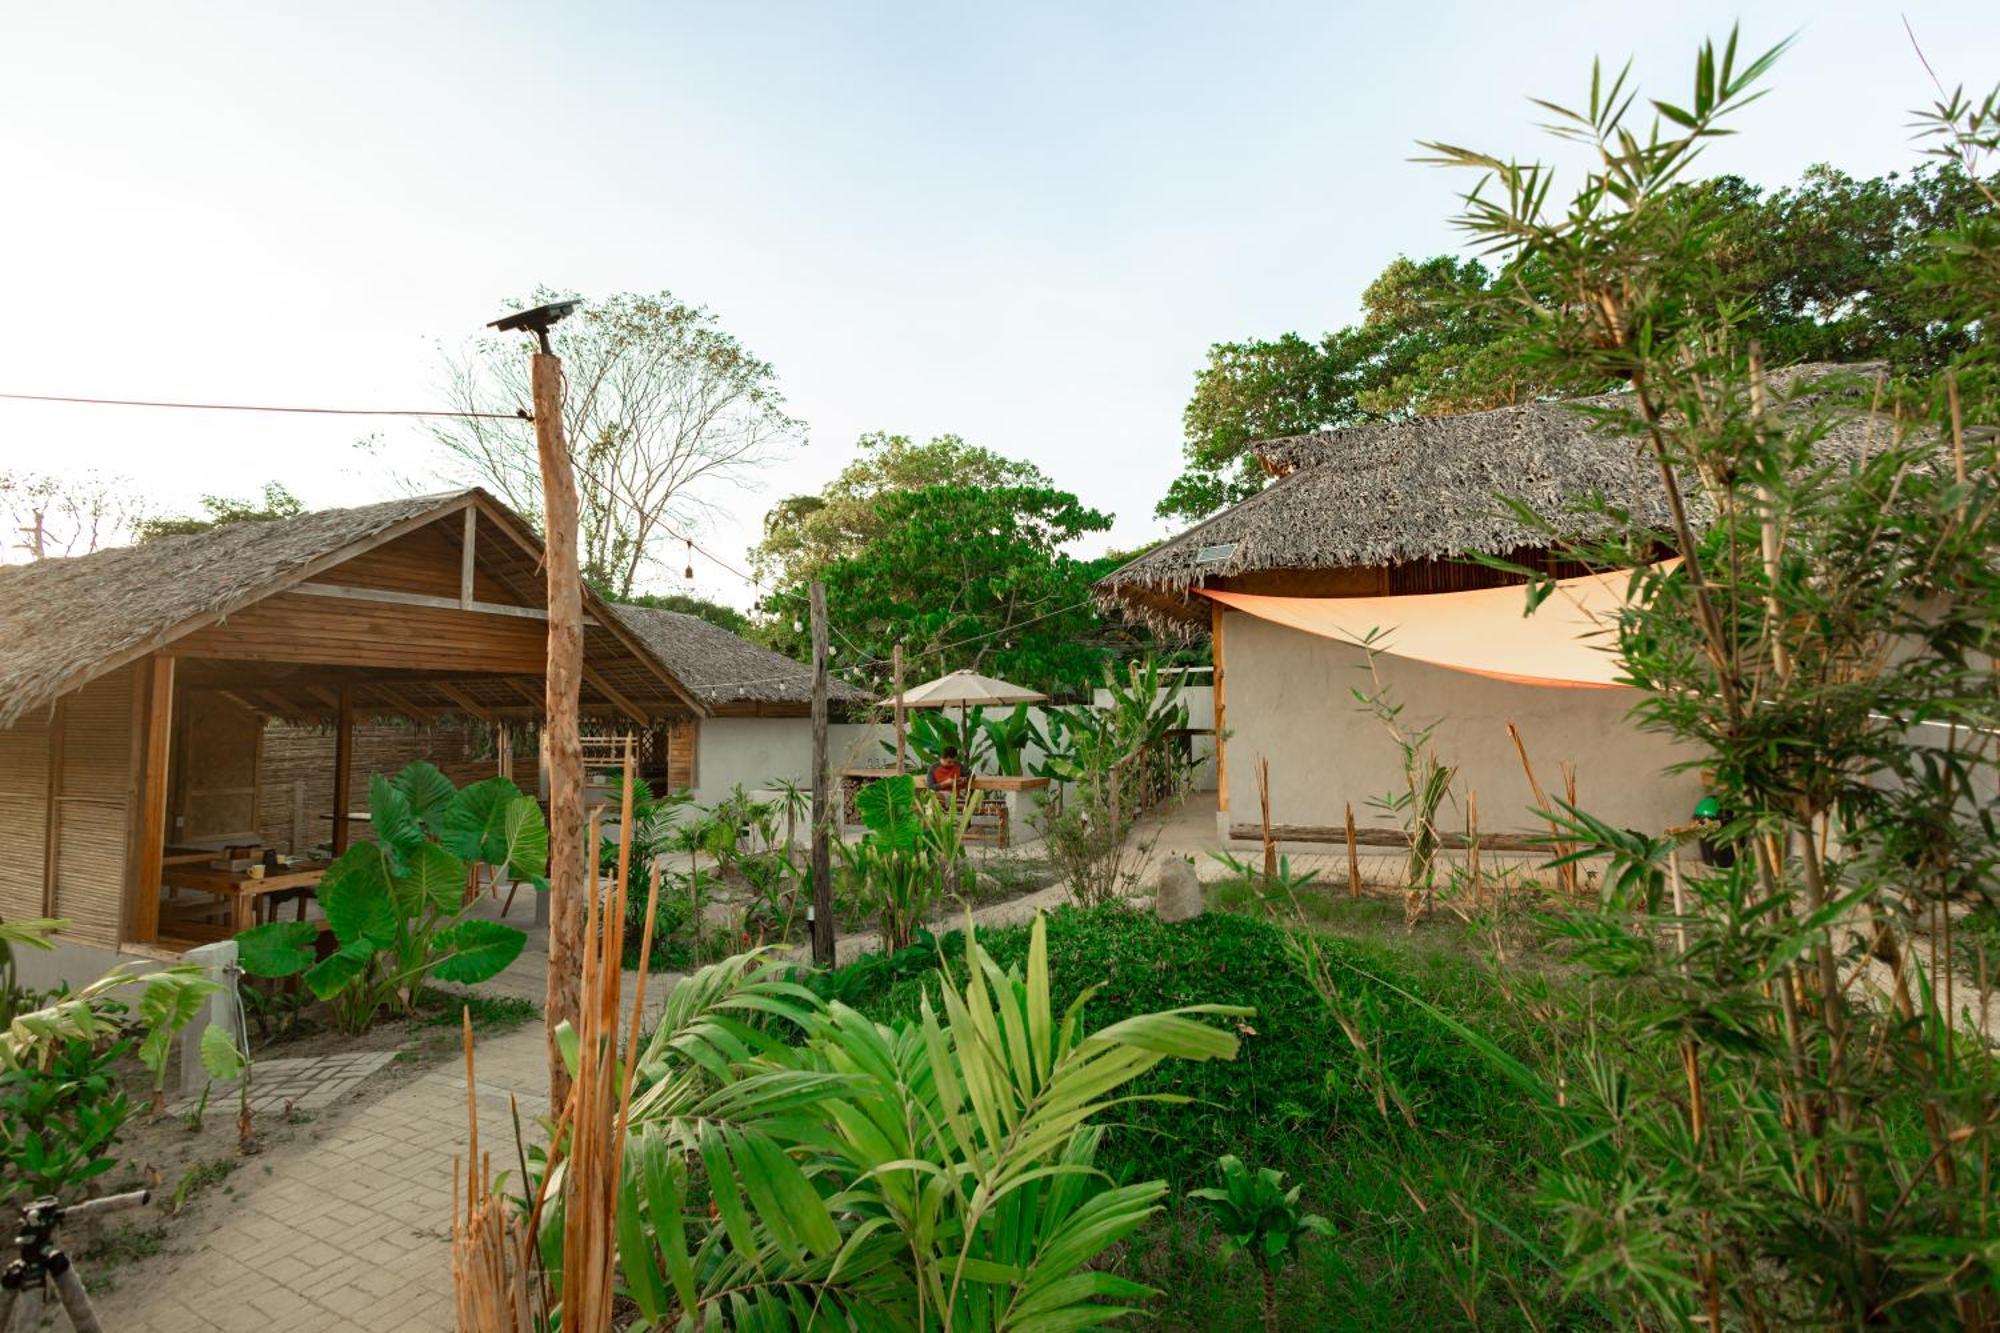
column 966, row 688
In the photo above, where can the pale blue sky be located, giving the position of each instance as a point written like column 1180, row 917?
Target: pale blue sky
column 1021, row 223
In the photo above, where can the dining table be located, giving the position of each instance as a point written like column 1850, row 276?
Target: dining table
column 239, row 889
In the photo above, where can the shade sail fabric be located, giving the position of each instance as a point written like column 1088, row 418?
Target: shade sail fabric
column 966, row 687
column 1566, row 642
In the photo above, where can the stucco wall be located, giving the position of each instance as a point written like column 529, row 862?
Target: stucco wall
column 754, row 750
column 1289, row 696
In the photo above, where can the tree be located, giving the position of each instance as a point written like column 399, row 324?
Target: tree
column 1416, row 352
column 660, row 403
column 54, row 514
column 715, row 613
column 1827, row 270
column 805, row 533
column 963, row 575
column 276, row 502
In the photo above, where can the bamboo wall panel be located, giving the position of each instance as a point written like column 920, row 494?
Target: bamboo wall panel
column 296, row 627
column 424, row 561
column 298, row 758
column 93, row 808
column 215, row 780
column 24, row 813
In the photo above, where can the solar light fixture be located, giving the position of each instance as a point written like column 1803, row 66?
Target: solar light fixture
column 537, row 321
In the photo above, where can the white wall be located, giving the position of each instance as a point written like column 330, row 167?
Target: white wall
column 754, row 750
column 1289, row 696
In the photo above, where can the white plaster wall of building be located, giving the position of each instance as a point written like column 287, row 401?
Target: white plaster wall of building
column 1289, row 696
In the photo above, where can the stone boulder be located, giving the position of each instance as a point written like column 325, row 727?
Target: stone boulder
column 1179, row 894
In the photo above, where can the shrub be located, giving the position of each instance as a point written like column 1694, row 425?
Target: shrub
column 1296, row 1085
column 59, row 1124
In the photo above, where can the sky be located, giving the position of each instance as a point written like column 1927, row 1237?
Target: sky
column 1023, row 224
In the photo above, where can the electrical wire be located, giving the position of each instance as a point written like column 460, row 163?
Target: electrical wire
column 263, row 407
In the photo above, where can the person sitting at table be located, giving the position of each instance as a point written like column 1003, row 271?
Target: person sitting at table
column 948, row 775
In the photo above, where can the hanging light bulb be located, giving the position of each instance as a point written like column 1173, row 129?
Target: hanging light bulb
column 688, row 573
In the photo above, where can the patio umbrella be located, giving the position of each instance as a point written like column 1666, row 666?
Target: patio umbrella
column 966, row 688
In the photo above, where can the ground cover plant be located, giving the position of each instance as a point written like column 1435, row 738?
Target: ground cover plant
column 1299, row 1098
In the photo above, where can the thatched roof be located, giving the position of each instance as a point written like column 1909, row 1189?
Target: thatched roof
column 1424, row 489
column 720, row 668
column 64, row 620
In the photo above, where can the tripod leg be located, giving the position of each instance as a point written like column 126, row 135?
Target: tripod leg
column 75, row 1301
column 8, row 1297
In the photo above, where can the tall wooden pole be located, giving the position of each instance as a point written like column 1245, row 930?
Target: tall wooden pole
column 561, row 703
column 822, row 814
column 896, row 667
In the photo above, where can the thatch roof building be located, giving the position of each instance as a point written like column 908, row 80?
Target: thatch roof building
column 1374, row 526
column 1395, row 507
column 726, row 672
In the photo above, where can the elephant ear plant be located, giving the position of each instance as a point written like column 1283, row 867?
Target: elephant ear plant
column 398, row 905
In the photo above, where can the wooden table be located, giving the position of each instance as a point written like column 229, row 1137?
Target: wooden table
column 239, row 889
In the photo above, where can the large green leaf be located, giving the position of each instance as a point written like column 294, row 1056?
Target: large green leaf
column 169, row 1003
column 279, row 949
column 337, row 971
column 432, row 877
column 475, row 824
column 392, row 817
column 220, row 1055
column 474, row 951
column 356, row 896
column 527, row 842
column 429, row 793
column 889, row 809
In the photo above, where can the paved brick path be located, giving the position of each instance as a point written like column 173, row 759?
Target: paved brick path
column 347, row 1231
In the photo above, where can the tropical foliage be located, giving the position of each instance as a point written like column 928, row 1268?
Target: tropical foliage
column 398, row 905
column 1262, row 1219
column 1779, row 1120
column 911, row 858
column 793, row 1163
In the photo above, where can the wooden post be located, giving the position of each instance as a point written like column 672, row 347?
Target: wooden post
column 896, row 668
column 153, row 803
column 52, row 812
column 822, row 813
column 1221, row 754
column 343, row 766
column 1472, row 842
column 1264, row 816
column 562, row 702
column 1353, row 857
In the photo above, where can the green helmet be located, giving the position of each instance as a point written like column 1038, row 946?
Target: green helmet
column 1708, row 808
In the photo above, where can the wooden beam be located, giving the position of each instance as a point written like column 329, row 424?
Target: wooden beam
column 619, row 701
column 822, row 800
column 464, row 700
column 343, row 766
column 415, row 711
column 324, row 695
column 465, row 556
column 1391, row 837
column 396, row 597
column 52, row 820
column 153, row 802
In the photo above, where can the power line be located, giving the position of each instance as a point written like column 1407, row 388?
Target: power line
column 516, row 415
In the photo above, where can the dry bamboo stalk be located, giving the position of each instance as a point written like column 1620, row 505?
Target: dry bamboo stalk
column 1574, row 875
column 490, row 1253
column 1264, row 816
column 1680, row 904
column 1472, row 844
column 1534, row 785
column 1353, row 858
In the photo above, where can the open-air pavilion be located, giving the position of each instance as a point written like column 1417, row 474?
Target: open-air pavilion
column 136, row 685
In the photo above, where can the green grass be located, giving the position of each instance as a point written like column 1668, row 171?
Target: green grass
column 1299, row 1098
column 200, row 1178
column 490, row 1013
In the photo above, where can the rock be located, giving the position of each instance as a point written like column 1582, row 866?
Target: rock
column 1179, row 891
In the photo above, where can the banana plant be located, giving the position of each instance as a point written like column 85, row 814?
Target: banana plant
column 398, row 905
column 911, row 857
column 793, row 1163
column 1009, row 737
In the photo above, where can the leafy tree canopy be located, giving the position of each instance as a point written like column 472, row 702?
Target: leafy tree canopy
column 806, row 532
column 1829, row 269
column 962, row 573
column 221, row 511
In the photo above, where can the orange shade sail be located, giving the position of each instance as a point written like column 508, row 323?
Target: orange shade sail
column 1567, row 642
